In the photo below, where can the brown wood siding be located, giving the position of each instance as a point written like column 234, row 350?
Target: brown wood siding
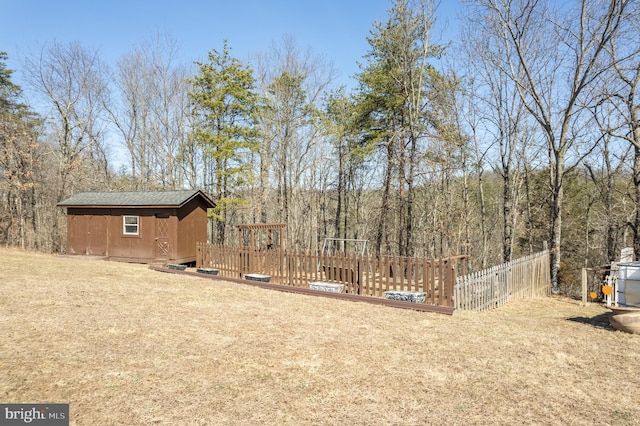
column 76, row 234
column 88, row 232
column 141, row 246
column 165, row 234
column 97, row 240
column 172, row 234
column 192, row 228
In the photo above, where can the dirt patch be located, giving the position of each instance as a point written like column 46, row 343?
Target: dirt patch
column 127, row 345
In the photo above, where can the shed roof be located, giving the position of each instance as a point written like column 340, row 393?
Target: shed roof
column 135, row 199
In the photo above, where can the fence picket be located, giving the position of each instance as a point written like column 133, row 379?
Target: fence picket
column 522, row 278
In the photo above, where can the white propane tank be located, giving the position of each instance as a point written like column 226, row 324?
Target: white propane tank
column 628, row 286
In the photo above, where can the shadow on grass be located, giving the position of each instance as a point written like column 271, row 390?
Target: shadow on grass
column 598, row 321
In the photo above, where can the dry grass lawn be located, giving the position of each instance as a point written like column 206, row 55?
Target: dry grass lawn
column 125, row 345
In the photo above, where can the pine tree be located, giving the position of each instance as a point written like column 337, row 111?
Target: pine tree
column 18, row 163
column 392, row 102
column 224, row 103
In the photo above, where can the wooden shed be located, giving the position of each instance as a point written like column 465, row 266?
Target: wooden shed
column 144, row 226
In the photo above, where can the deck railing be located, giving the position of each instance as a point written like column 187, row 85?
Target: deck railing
column 365, row 275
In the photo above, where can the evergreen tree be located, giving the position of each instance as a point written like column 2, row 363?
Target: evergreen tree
column 394, row 87
column 224, row 102
column 18, row 163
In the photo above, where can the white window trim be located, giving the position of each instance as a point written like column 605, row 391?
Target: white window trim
column 125, row 224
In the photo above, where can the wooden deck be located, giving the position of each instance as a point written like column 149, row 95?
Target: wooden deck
column 423, row 307
column 361, row 275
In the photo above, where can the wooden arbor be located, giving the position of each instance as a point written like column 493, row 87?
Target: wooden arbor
column 270, row 243
column 256, row 237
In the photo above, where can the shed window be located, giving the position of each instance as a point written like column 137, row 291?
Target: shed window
column 131, row 225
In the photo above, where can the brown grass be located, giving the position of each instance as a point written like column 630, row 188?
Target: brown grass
column 125, row 345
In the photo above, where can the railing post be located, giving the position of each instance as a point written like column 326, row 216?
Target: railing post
column 452, row 282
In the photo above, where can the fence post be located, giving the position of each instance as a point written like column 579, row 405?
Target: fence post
column 585, row 302
column 452, row 282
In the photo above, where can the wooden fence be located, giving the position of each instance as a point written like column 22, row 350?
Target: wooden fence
column 360, row 274
column 522, row 278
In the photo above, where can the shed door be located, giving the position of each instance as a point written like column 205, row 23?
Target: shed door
column 162, row 236
column 87, row 235
column 97, row 235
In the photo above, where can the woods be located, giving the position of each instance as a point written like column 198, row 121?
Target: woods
column 523, row 131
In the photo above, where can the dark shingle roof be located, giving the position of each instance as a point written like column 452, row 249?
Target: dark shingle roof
column 134, row 199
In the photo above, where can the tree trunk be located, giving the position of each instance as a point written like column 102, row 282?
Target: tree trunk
column 636, row 186
column 507, row 219
column 413, row 158
column 384, row 205
column 341, row 185
column 556, row 226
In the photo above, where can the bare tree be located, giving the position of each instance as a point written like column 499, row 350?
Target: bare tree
column 151, row 112
column 553, row 57
column 604, row 168
column 504, row 121
column 71, row 79
column 292, row 83
column 617, row 109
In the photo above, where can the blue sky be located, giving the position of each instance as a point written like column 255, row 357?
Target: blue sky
column 336, row 29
